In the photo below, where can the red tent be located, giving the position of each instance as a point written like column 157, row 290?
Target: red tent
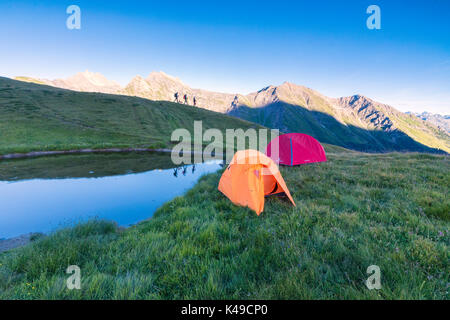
column 295, row 149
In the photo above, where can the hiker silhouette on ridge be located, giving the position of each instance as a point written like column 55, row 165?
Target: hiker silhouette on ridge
column 176, row 97
column 194, row 101
column 185, row 99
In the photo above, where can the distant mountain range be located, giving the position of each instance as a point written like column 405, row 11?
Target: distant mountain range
column 441, row 121
column 354, row 122
column 82, row 81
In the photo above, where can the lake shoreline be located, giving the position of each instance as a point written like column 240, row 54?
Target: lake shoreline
column 78, row 151
column 143, row 167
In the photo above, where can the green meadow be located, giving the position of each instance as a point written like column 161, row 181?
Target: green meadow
column 356, row 210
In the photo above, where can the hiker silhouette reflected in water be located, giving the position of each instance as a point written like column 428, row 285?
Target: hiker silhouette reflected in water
column 183, row 170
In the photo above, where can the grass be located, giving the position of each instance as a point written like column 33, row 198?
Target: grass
column 356, row 210
column 34, row 117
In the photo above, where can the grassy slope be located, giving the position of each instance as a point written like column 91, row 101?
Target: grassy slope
column 35, row 117
column 356, row 210
column 29, row 79
column 422, row 131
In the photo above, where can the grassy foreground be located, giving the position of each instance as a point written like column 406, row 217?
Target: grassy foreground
column 354, row 211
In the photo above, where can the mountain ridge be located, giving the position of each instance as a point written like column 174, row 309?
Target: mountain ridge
column 355, row 122
column 441, row 121
column 86, row 81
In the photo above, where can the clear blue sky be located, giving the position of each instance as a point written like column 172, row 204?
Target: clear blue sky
column 241, row 46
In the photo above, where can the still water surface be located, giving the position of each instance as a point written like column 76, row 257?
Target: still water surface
column 43, row 194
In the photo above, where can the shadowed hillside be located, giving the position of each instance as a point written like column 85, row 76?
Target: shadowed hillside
column 325, row 128
column 355, row 122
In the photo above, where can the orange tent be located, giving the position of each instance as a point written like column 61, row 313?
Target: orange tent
column 250, row 177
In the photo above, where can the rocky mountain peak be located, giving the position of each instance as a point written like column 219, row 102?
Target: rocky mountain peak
column 137, row 83
column 162, row 77
column 94, row 78
column 89, row 82
column 368, row 111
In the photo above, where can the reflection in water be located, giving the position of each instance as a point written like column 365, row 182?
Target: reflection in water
column 183, row 169
column 42, row 194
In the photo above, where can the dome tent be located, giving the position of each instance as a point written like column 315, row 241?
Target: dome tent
column 295, row 149
column 250, row 177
